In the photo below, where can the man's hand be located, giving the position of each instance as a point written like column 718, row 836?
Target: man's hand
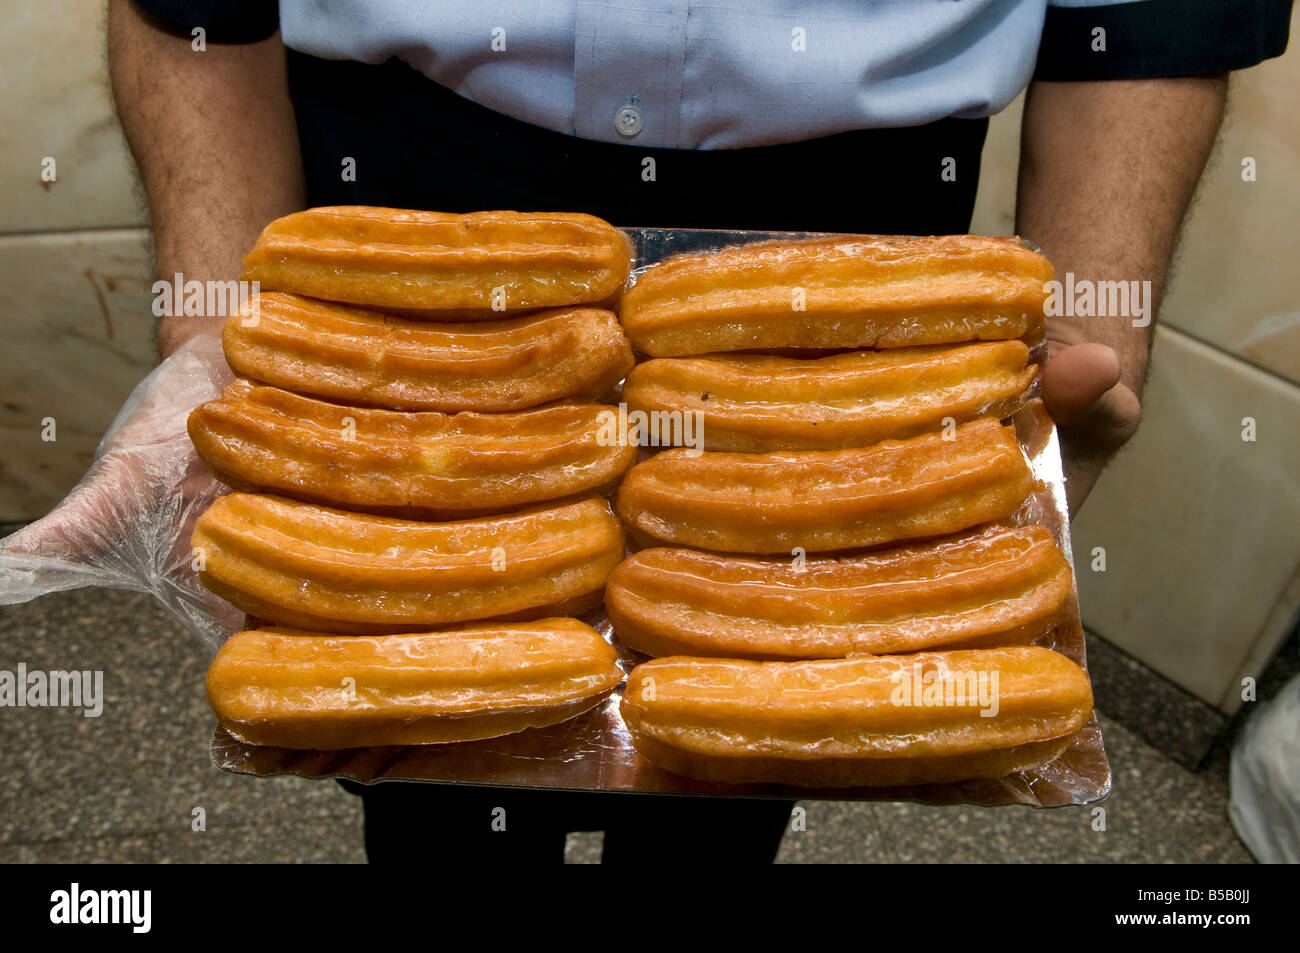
column 1095, row 411
column 1107, row 170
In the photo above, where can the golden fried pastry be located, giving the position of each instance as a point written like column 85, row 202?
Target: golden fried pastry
column 405, row 464
column 474, row 265
column 363, row 357
column 295, row 689
column 755, row 403
column 832, row 499
column 1004, row 586
column 870, row 720
column 312, row 567
column 847, row 292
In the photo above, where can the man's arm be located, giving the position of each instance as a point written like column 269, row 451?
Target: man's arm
column 1107, row 170
column 214, row 138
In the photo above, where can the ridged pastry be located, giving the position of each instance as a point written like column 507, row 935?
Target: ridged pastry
column 828, row 500
column 846, row 292
column 857, row 722
column 755, row 403
column 312, row 567
column 1005, row 586
column 438, row 261
column 356, row 356
column 295, row 689
column 407, row 464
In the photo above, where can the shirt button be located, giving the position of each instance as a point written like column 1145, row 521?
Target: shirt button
column 628, row 121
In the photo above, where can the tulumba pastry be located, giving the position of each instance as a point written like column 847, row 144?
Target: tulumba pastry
column 828, row 500
column 754, row 403
column 865, row 721
column 846, row 292
column 357, row 356
column 472, row 265
column 291, row 688
column 313, row 567
column 408, row 464
column 1002, row 586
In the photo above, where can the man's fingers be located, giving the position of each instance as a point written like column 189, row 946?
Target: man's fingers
column 1108, row 423
column 83, row 524
column 1090, row 440
column 1095, row 412
column 1076, row 378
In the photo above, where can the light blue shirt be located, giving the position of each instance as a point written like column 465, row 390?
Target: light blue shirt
column 716, row 74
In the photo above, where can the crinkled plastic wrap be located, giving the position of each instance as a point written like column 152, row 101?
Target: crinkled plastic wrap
column 140, row 540
column 126, row 524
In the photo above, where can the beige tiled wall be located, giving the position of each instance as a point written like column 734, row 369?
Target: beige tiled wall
column 1199, row 527
column 79, row 335
column 55, row 102
column 74, row 294
column 1236, row 286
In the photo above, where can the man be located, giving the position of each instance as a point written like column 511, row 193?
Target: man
column 833, row 116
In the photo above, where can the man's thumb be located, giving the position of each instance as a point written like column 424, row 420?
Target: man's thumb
column 1077, row 377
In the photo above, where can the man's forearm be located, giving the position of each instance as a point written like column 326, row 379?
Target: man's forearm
column 1107, row 170
column 214, row 138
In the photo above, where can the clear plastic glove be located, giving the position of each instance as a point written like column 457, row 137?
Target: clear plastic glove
column 127, row 523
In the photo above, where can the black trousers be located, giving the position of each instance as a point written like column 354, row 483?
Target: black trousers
column 414, row 144
column 408, row 821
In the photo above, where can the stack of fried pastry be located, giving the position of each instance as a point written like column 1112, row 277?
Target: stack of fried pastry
column 836, row 584
column 416, row 446
column 838, row 589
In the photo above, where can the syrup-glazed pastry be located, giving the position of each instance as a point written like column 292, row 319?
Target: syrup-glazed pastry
column 473, row 265
column 865, row 721
column 421, row 464
column 295, row 689
column 755, row 403
column 313, row 567
column 356, row 356
column 845, row 292
column 828, row 500
column 1003, row 586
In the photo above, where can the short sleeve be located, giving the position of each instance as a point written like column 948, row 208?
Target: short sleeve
column 1147, row 39
column 223, row 21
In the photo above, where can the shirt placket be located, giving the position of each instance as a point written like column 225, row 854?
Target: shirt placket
column 627, row 71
